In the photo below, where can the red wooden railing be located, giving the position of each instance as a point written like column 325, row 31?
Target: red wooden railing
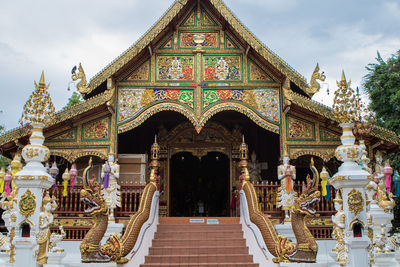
column 71, row 207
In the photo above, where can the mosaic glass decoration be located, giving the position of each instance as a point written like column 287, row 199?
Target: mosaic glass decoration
column 167, row 45
column 229, row 43
column 222, row 68
column 256, row 74
column 264, row 101
column 206, row 19
column 141, row 74
column 299, row 129
column 190, row 20
column 133, row 101
column 327, row 135
column 69, row 135
column 97, row 129
column 175, row 68
column 204, row 39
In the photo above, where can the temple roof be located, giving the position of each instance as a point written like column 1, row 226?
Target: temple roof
column 168, row 16
column 60, row 116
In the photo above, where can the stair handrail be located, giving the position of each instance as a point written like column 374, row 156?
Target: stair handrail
column 119, row 247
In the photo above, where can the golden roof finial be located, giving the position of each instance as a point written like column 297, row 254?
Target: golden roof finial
column 38, row 108
column 344, row 103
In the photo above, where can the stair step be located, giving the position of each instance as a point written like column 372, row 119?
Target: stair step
column 198, row 235
column 224, row 258
column 197, row 242
column 186, row 220
column 198, row 250
column 200, row 227
column 212, row 264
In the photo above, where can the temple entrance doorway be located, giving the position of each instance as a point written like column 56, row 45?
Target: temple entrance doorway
column 199, row 185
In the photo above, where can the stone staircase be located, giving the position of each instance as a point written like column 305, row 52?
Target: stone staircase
column 178, row 242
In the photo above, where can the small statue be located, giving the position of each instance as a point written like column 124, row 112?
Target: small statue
column 254, row 168
column 314, row 85
column 286, row 174
column 46, row 218
column 8, row 203
column 339, row 230
column 378, row 165
column 55, row 239
column 111, row 193
column 393, row 242
column 387, row 204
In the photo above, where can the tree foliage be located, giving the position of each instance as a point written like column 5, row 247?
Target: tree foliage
column 383, row 85
column 75, row 98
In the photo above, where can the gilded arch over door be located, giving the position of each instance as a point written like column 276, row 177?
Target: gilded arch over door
column 261, row 105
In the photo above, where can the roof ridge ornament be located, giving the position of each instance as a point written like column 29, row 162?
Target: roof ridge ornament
column 314, row 85
column 81, row 86
column 39, row 108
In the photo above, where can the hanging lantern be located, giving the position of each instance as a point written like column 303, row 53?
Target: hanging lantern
column 8, row 180
column 388, row 171
column 2, row 174
column 73, row 173
column 66, row 176
column 54, row 172
column 107, row 170
column 326, row 193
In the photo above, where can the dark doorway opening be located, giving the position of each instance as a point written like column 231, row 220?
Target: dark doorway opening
column 199, row 186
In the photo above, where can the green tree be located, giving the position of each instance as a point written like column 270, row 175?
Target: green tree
column 383, row 86
column 76, row 98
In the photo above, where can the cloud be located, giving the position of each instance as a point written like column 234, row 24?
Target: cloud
column 37, row 36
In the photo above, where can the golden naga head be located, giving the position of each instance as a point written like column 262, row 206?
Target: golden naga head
column 90, row 195
column 307, row 202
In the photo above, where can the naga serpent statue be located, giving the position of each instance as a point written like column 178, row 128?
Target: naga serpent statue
column 96, row 207
column 81, row 86
column 279, row 246
column 116, row 248
column 119, row 247
column 314, row 85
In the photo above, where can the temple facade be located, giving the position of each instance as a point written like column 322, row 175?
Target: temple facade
column 199, row 80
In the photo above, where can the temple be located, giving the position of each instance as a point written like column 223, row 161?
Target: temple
column 199, row 81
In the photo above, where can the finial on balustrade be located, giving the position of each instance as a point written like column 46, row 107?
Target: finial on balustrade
column 154, row 164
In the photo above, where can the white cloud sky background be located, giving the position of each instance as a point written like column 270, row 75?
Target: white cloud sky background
column 56, row 35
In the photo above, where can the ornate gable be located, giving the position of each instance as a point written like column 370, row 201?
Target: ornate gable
column 207, row 25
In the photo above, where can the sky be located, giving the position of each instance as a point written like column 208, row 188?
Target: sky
column 54, row 36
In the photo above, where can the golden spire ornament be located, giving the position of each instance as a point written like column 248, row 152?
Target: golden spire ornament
column 38, row 108
column 344, row 103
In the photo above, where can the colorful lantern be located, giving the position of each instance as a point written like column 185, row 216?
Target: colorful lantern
column 107, row 170
column 8, row 180
column 396, row 182
column 54, row 172
column 73, row 173
column 326, row 192
column 2, row 174
column 66, row 176
column 388, row 171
